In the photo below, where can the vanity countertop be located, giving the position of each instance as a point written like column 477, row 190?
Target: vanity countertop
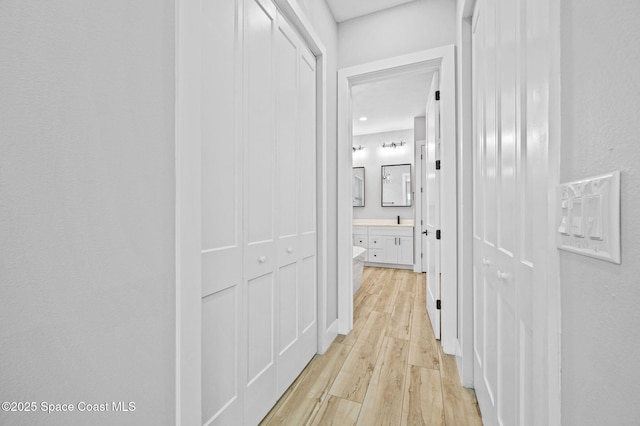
column 383, row 222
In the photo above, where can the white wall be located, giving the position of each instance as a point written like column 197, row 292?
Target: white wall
column 372, row 158
column 411, row 27
column 600, row 128
column 322, row 20
column 420, row 128
column 87, row 224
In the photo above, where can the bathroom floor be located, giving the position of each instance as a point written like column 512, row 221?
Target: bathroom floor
column 389, row 370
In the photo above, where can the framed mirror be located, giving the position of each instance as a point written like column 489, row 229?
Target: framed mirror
column 396, row 185
column 358, row 187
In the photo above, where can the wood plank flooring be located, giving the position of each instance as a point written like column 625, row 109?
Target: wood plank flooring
column 390, row 370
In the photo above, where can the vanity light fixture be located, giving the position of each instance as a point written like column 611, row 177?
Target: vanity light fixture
column 363, row 118
column 358, row 148
column 393, row 144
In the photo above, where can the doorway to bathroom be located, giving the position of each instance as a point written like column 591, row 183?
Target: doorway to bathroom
column 386, row 238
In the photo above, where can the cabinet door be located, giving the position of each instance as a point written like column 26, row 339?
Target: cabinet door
column 405, row 250
column 390, row 249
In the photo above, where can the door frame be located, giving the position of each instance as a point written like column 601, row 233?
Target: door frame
column 188, row 80
column 417, row 231
column 440, row 58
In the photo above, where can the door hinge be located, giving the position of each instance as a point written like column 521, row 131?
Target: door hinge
column 421, row 189
column 420, row 221
column 421, row 156
column 438, row 304
column 438, row 234
column 437, row 95
column 421, row 255
column 437, row 164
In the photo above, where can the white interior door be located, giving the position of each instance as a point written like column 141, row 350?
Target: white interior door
column 260, row 254
column 433, row 207
column 259, row 289
column 222, row 228
column 504, row 186
column 296, row 282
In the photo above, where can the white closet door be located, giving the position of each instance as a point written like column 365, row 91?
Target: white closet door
column 259, row 319
column 485, row 398
column 486, row 293
column 296, row 268
column 221, row 232
column 505, row 184
column 260, row 257
column 287, row 166
column 308, row 313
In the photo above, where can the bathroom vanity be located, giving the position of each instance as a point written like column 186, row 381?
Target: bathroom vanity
column 388, row 243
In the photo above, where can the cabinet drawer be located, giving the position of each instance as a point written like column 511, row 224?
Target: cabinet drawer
column 360, row 241
column 398, row 231
column 375, row 255
column 357, row 230
column 375, row 241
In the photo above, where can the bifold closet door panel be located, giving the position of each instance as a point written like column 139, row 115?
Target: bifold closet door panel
column 307, row 205
column 221, row 393
column 297, row 339
column 260, row 257
column 288, row 280
column 221, row 211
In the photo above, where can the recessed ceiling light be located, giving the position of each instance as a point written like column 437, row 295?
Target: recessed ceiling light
column 363, row 118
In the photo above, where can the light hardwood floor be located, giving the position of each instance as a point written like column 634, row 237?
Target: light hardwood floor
column 390, row 370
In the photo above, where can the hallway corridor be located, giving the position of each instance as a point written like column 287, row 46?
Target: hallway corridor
column 388, row 371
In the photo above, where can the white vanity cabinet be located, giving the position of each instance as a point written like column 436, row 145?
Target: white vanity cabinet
column 386, row 244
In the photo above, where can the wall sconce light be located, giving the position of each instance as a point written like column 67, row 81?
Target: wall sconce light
column 393, row 144
column 358, row 148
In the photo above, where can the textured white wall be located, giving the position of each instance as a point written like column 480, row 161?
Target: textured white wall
column 372, row 158
column 87, row 276
column 600, row 130
column 411, row 27
column 322, row 20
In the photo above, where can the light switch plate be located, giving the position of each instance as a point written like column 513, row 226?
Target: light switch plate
column 589, row 217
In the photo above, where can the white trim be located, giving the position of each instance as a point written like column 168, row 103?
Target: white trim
column 187, row 163
column 334, row 326
column 442, row 58
column 464, row 351
column 345, row 206
column 417, row 229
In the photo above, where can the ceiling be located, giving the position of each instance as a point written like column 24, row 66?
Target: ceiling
column 348, row 9
column 390, row 104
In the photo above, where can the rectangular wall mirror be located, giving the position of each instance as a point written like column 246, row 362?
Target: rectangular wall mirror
column 358, row 187
column 396, row 185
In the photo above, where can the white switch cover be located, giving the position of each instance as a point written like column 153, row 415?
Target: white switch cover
column 589, row 217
